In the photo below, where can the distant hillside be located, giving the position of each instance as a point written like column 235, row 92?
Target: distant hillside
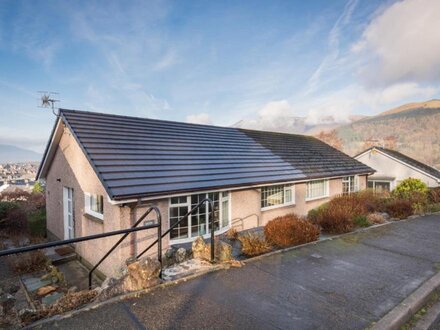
column 414, row 130
column 294, row 125
column 432, row 104
column 12, row 154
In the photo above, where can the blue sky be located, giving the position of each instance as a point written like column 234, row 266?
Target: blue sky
column 213, row 61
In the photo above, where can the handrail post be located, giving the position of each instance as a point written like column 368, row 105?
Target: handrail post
column 159, row 219
column 212, row 231
column 159, row 242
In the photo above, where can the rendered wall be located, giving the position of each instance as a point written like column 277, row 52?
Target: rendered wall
column 388, row 167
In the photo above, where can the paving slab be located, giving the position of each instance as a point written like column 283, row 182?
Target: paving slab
column 355, row 281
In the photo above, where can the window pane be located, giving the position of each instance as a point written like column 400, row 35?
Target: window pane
column 272, row 195
column 316, row 189
column 288, row 194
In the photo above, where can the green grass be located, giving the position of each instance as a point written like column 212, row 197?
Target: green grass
column 37, row 223
column 361, row 221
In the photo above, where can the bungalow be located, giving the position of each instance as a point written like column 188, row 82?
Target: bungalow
column 103, row 171
column 392, row 167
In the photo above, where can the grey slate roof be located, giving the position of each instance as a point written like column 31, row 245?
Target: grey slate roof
column 410, row 161
column 139, row 157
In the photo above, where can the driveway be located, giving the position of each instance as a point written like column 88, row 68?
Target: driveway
column 344, row 283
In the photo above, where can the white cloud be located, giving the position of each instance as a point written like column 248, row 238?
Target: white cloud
column 402, row 44
column 403, row 91
column 200, row 118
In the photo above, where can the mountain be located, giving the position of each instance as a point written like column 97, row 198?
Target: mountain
column 412, row 129
column 296, row 125
column 13, row 154
column 432, row 104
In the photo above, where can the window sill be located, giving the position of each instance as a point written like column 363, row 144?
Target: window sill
column 268, row 208
column 316, row 198
column 93, row 218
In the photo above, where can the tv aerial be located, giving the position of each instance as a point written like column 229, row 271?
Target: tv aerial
column 48, row 101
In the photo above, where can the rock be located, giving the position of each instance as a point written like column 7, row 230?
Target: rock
column 27, row 315
column 385, row 215
column 7, row 302
column 13, row 288
column 45, row 290
column 169, row 253
column 180, row 255
column 201, row 250
column 141, row 274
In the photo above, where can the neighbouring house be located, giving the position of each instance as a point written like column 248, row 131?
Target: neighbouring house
column 103, row 171
column 392, row 167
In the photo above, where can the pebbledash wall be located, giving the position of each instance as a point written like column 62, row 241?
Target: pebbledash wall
column 70, row 168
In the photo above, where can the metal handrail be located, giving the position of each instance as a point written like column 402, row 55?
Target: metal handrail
column 72, row 240
column 159, row 239
column 159, row 252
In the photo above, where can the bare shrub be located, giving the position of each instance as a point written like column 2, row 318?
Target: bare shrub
column 28, row 262
column 232, row 234
column 434, row 195
column 400, row 208
column 290, row 230
column 336, row 218
column 253, row 244
column 375, row 218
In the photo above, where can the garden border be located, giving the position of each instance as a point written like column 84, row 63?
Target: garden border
column 215, row 268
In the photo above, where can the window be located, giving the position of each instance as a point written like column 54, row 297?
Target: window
column 94, row 205
column 198, row 223
column 317, row 189
column 350, row 184
column 277, row 195
column 379, row 186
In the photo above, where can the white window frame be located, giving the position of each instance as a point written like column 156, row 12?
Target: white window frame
column 326, row 190
column 381, row 181
column 88, row 208
column 286, row 187
column 188, row 204
column 348, row 180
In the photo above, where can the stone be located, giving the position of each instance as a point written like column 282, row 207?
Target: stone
column 201, row 250
column 13, row 288
column 7, row 302
column 26, row 315
column 180, row 255
column 45, row 290
column 51, row 298
column 141, row 274
column 169, row 253
column 385, row 215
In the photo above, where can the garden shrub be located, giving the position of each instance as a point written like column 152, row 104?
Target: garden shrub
column 433, row 208
column 375, row 218
column 28, row 262
column 253, row 244
column 313, row 214
column 37, row 223
column 400, row 208
column 361, row 221
column 290, row 230
column 232, row 234
column 434, row 195
column 15, row 222
column 411, row 188
column 336, row 218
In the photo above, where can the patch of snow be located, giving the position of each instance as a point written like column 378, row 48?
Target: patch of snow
column 185, row 268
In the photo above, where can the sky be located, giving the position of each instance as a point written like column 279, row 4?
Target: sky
column 213, row 62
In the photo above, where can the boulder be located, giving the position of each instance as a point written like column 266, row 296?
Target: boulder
column 201, row 250
column 141, row 274
column 27, row 315
column 180, row 255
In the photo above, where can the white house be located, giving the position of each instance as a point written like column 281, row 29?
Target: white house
column 392, row 167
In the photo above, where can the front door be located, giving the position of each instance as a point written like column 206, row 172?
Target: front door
column 69, row 231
